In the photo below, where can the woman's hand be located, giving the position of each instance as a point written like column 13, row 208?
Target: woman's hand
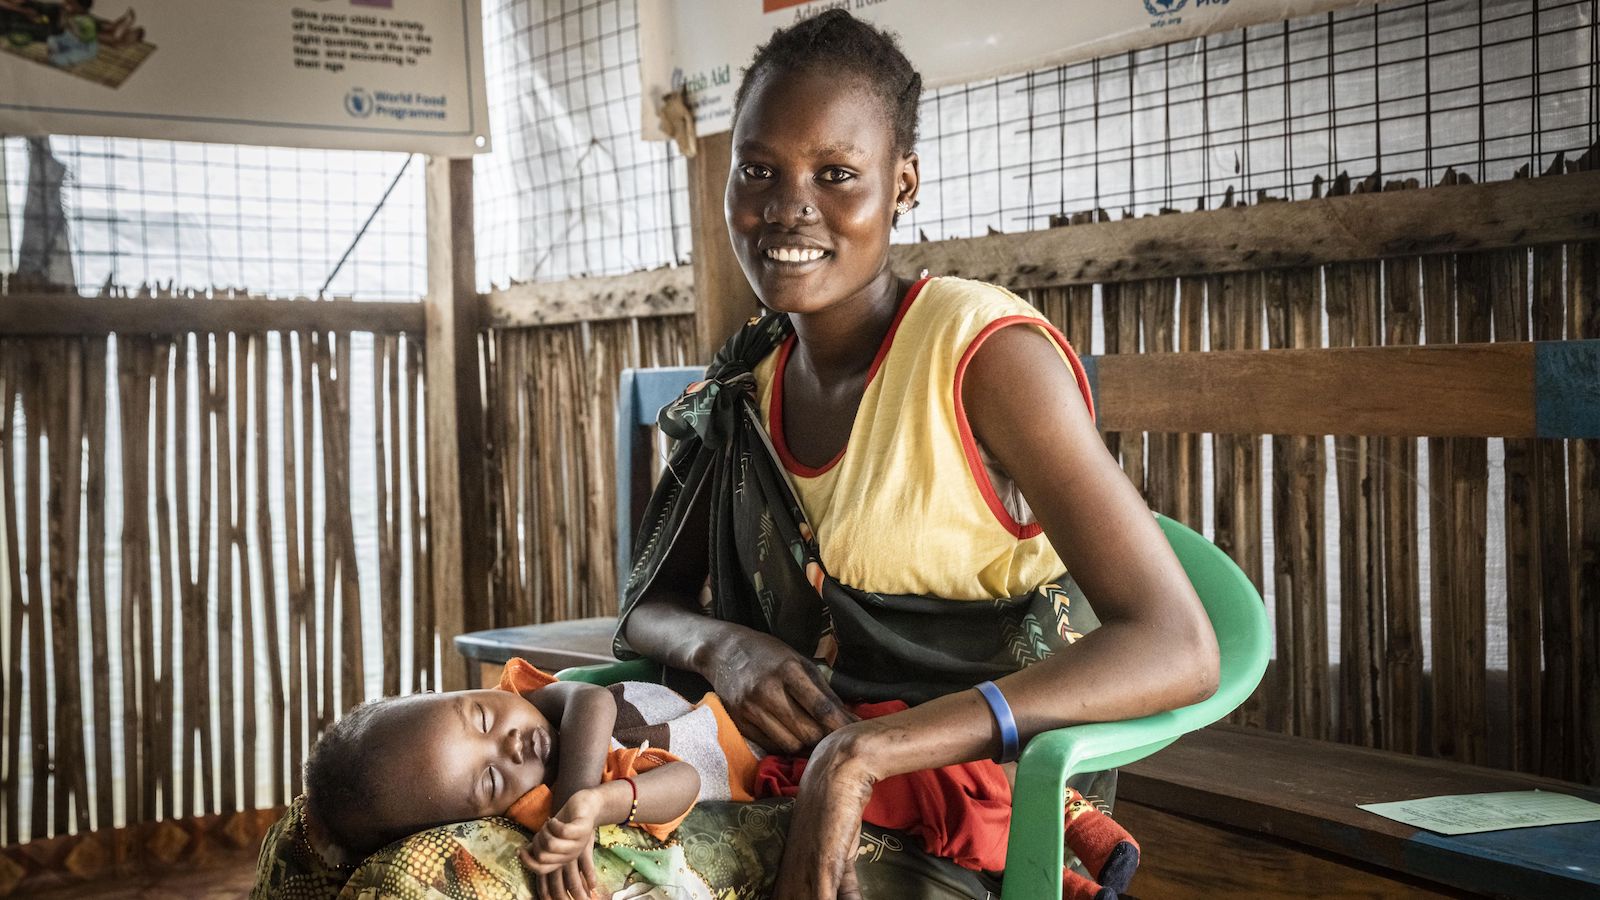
column 561, row 855
column 776, row 696
column 825, row 830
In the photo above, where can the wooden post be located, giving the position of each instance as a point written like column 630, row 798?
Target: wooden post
column 457, row 518
column 723, row 300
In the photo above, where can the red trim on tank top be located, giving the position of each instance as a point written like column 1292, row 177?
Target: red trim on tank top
column 969, row 444
column 775, row 423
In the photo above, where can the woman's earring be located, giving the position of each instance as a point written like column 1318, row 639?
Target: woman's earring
column 903, row 207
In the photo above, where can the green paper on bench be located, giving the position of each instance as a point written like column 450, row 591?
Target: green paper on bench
column 1472, row 813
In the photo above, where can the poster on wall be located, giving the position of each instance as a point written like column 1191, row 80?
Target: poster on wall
column 347, row 74
column 701, row 46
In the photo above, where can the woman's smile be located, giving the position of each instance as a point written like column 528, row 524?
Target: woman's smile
column 795, row 255
column 790, row 255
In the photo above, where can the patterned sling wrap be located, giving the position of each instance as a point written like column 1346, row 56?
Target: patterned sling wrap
column 767, row 574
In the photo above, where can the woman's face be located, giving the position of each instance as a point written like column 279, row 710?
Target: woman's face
column 812, row 194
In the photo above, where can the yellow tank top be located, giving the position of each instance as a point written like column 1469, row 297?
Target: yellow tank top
column 912, row 505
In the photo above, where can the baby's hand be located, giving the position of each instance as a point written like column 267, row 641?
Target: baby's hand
column 561, row 855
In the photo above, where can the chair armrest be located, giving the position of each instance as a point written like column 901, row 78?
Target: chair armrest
column 1034, row 854
column 611, row 673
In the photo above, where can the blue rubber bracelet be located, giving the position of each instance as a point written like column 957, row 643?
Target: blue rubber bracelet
column 1009, row 749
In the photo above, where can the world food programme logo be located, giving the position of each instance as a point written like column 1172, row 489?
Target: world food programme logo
column 1160, row 8
column 358, row 102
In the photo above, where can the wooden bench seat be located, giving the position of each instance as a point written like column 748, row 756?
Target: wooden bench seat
column 1239, row 812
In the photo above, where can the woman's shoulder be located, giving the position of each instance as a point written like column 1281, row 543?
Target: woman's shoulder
column 950, row 295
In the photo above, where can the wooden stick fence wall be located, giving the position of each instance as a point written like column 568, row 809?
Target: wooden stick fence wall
column 552, row 396
column 224, row 628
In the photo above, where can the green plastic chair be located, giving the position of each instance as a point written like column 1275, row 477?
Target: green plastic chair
column 1034, row 852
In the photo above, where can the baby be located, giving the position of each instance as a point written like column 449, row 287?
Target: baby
column 559, row 758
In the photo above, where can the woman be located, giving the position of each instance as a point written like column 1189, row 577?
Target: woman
column 940, row 472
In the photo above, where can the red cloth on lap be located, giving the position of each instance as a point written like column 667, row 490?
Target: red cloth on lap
column 961, row 812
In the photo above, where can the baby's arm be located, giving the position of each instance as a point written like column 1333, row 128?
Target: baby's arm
column 665, row 793
column 584, row 715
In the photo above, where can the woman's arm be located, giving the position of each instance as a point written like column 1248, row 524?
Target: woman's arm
column 775, row 695
column 584, row 716
column 1154, row 649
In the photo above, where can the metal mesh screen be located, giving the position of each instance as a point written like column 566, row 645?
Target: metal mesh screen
column 277, row 221
column 1402, row 90
column 571, row 189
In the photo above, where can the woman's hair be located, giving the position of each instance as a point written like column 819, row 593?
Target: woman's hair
column 836, row 41
column 342, row 779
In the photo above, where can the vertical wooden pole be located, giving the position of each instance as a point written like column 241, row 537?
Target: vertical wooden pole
column 171, row 579
column 456, row 510
column 723, row 299
column 1161, row 482
column 1509, row 293
column 1583, row 323
column 1352, row 289
column 1469, row 553
column 12, row 375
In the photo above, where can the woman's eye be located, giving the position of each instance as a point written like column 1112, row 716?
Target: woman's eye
column 483, row 718
column 488, row 783
column 835, row 175
column 755, row 171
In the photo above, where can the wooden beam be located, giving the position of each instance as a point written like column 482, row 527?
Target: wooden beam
column 658, row 292
column 68, row 314
column 457, row 515
column 1511, row 389
column 1522, row 212
column 723, row 298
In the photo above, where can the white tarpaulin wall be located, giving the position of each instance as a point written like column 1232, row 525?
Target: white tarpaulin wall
column 342, row 74
column 703, row 44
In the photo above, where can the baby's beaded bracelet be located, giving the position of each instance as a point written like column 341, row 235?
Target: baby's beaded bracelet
column 633, row 808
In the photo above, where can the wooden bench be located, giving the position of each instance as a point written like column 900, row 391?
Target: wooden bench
column 1239, row 812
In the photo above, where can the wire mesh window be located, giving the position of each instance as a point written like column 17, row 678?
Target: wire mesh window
column 274, row 220
column 1401, row 90
column 571, row 189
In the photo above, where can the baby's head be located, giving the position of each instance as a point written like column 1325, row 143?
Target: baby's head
column 396, row 766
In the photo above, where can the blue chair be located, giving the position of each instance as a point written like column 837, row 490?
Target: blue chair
column 640, row 396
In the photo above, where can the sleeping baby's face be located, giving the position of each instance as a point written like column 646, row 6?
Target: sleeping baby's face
column 462, row 755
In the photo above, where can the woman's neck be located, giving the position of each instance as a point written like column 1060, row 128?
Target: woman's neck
column 839, row 343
